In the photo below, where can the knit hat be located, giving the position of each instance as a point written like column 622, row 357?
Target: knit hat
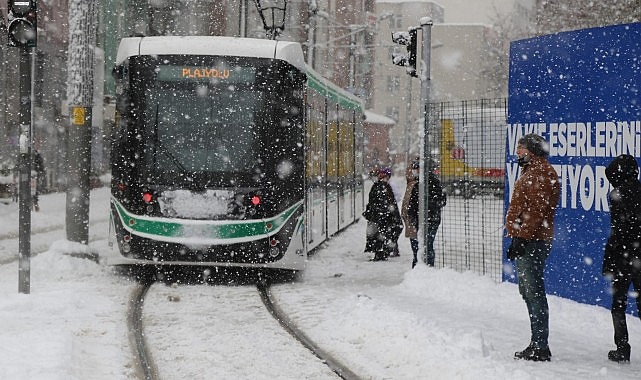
column 384, row 172
column 535, row 144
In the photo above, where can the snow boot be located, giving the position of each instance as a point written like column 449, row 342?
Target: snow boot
column 534, row 354
column 621, row 354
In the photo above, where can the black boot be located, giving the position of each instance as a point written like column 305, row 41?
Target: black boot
column 534, row 354
column 621, row 354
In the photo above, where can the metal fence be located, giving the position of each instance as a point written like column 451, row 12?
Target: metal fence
column 467, row 140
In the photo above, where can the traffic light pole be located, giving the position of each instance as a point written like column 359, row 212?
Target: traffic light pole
column 425, row 76
column 24, row 195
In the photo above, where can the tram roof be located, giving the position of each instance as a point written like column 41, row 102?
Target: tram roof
column 328, row 89
column 287, row 51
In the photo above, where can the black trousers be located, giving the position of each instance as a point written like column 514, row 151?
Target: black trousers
column 620, row 286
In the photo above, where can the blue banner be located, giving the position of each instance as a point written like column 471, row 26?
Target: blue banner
column 580, row 90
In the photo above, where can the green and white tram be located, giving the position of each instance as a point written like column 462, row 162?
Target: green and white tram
column 229, row 152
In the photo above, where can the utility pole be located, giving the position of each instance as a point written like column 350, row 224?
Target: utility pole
column 408, row 124
column 24, row 195
column 81, row 60
column 425, row 76
column 23, row 33
column 3, row 94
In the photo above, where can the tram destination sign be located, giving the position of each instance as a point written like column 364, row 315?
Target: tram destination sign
column 235, row 74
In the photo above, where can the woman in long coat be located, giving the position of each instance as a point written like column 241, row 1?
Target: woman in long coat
column 382, row 211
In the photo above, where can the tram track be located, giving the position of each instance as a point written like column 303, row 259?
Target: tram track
column 146, row 368
column 334, row 364
column 144, row 365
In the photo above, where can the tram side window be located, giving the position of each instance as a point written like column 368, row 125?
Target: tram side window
column 346, row 146
column 316, row 133
column 358, row 141
column 332, row 142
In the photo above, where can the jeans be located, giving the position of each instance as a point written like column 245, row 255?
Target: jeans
column 529, row 268
column 432, row 227
column 414, row 245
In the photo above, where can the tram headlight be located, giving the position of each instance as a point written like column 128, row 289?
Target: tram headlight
column 274, row 251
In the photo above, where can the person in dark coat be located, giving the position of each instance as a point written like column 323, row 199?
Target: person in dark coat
column 371, row 232
column 383, row 212
column 410, row 208
column 622, row 258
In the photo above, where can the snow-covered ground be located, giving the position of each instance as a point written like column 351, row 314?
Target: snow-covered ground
column 383, row 319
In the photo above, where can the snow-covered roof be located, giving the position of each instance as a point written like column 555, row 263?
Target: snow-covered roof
column 290, row 52
column 375, row 118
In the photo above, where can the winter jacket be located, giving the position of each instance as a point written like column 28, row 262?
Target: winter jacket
column 382, row 208
column 530, row 215
column 623, row 247
column 410, row 206
column 409, row 209
column 437, row 200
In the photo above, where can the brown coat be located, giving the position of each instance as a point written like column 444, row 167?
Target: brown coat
column 410, row 230
column 536, row 193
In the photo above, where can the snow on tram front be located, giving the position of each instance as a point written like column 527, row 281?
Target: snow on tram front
column 208, row 153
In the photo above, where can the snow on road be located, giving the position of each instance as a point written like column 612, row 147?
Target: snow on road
column 383, row 319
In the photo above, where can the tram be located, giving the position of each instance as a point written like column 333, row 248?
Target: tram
column 229, row 152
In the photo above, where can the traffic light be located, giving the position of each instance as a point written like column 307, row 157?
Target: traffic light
column 408, row 60
column 23, row 25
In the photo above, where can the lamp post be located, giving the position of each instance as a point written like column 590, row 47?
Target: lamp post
column 272, row 13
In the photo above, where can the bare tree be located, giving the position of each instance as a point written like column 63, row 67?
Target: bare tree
column 504, row 30
column 557, row 16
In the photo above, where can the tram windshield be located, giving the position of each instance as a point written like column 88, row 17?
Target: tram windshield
column 204, row 132
column 206, row 118
column 210, row 121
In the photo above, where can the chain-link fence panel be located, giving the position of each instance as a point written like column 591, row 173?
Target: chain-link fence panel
column 467, row 143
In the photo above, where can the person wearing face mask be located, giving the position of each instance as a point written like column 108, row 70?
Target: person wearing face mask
column 410, row 208
column 530, row 224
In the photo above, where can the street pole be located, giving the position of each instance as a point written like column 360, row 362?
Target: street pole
column 24, row 194
column 82, row 42
column 408, row 124
column 352, row 55
column 424, row 193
